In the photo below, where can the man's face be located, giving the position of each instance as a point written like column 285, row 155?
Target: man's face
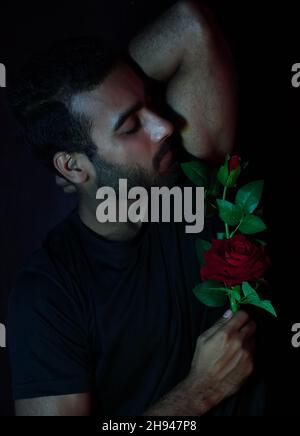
column 132, row 140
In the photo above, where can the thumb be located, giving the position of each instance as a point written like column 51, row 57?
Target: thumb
column 227, row 315
column 219, row 324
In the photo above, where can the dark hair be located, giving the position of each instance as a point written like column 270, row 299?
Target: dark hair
column 42, row 94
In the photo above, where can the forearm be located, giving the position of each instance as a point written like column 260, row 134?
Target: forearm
column 61, row 405
column 182, row 400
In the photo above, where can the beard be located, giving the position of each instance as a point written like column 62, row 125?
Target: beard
column 108, row 174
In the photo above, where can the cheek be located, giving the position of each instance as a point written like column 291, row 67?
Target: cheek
column 137, row 148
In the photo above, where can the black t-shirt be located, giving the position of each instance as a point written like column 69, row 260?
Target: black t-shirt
column 117, row 319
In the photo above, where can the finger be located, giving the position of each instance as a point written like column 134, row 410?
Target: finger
column 250, row 346
column 219, row 324
column 237, row 322
column 238, row 370
column 248, row 330
column 239, row 348
column 229, row 323
column 231, row 363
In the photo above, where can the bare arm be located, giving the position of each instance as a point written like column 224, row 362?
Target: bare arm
column 64, row 405
column 185, row 48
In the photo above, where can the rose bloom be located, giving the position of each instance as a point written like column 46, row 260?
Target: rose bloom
column 234, row 261
column 234, row 162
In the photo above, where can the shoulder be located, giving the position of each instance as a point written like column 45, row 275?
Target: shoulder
column 45, row 279
column 37, row 286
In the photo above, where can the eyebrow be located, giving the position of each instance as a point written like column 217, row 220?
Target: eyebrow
column 126, row 114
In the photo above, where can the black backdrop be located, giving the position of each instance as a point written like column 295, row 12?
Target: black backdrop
column 263, row 40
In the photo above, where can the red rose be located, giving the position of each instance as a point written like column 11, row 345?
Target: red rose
column 234, row 162
column 234, row 261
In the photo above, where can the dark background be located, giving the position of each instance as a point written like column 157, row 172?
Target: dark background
column 263, row 40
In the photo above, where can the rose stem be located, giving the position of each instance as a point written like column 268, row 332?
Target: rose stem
column 226, row 225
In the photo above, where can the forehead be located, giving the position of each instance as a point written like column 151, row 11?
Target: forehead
column 120, row 89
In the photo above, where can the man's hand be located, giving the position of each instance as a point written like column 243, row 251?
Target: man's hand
column 223, row 359
column 222, row 362
column 67, row 187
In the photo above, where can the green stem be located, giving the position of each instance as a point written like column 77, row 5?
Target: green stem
column 226, row 225
column 236, row 229
column 234, row 306
column 224, row 192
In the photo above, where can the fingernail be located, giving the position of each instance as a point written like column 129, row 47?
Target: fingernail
column 228, row 314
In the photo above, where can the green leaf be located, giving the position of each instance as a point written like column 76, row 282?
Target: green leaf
column 201, row 247
column 264, row 304
column 233, row 177
column 196, row 171
column 211, row 293
column 234, row 304
column 253, row 298
column 215, row 187
column 235, row 298
column 229, row 213
column 221, row 236
column 249, row 196
column 249, row 292
column 252, row 224
column 236, row 293
column 223, row 173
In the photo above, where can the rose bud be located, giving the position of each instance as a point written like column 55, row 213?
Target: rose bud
column 234, row 162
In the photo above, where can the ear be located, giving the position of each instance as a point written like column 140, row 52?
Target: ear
column 72, row 167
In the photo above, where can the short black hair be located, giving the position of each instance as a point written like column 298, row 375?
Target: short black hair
column 41, row 95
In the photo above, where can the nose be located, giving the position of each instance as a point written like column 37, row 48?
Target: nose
column 157, row 127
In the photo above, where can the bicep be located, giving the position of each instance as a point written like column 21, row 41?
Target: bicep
column 185, row 49
column 62, row 405
column 203, row 94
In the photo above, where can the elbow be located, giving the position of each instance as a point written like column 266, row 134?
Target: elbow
column 202, row 20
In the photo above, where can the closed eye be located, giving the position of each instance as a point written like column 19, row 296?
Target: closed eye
column 135, row 128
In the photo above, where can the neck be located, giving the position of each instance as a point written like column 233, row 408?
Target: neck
column 113, row 231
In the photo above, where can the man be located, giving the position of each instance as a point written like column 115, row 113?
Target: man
column 102, row 319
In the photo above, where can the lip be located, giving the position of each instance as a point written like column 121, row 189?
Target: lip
column 165, row 161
